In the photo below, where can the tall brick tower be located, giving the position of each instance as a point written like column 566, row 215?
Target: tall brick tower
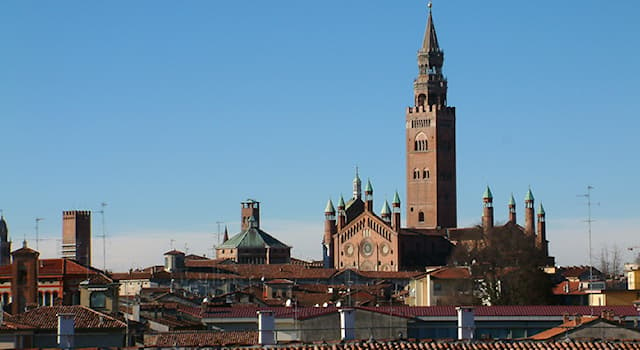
column 431, row 142
column 76, row 236
column 24, row 279
column 5, row 243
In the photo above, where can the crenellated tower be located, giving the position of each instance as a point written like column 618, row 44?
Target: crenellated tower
column 431, row 142
column 5, row 243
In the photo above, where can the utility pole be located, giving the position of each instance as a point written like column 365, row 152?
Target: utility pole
column 38, row 233
column 104, row 238
column 589, row 221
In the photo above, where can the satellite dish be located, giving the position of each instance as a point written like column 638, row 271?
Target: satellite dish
column 325, row 304
column 205, row 300
column 338, row 304
column 316, row 305
column 288, row 303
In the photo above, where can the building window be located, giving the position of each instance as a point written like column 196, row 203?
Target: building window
column 420, row 217
column 98, row 300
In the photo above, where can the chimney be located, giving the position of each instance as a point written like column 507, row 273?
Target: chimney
column 347, row 324
column 466, row 322
column 65, row 331
column 266, row 328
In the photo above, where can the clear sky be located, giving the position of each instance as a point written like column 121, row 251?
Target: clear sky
column 175, row 112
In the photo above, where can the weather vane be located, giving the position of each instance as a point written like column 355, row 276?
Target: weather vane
column 429, row 4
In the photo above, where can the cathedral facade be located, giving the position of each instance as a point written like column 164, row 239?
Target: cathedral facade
column 356, row 237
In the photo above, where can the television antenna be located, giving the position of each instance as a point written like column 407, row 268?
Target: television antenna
column 219, row 223
column 38, row 232
column 589, row 221
column 104, row 237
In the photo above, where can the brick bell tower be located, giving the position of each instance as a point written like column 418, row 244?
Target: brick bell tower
column 431, row 142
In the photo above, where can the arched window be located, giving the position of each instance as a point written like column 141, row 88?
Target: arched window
column 421, row 99
column 425, row 173
column 420, row 217
column 421, row 144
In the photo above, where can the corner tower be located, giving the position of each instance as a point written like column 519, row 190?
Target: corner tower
column 431, row 142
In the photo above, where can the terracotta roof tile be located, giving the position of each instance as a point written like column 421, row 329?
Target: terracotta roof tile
column 46, row 318
column 202, row 339
column 452, row 273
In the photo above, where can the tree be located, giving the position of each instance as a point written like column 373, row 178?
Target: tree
column 507, row 266
column 610, row 261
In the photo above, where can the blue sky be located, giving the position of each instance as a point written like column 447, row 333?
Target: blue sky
column 174, row 112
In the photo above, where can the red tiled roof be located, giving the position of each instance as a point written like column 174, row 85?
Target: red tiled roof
column 386, row 274
column 46, row 318
column 279, row 312
column 202, row 339
column 576, row 271
column 568, row 288
column 174, row 252
column 452, row 273
column 428, row 344
column 507, row 310
column 204, row 263
column 55, row 267
column 563, row 328
column 280, row 281
column 273, row 271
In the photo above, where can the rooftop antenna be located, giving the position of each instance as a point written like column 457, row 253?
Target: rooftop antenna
column 104, row 238
column 589, row 221
column 38, row 232
column 171, row 242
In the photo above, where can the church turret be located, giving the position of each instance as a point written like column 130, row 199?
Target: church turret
column 329, row 231
column 357, row 186
column 431, row 142
column 512, row 210
column 24, row 279
column 541, row 237
column 396, row 212
column 487, row 210
column 342, row 218
column 368, row 196
column 529, row 214
column 226, row 234
column 385, row 213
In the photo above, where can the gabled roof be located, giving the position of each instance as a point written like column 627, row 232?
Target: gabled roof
column 452, row 273
column 46, row 317
column 56, row 267
column 200, row 339
column 253, row 237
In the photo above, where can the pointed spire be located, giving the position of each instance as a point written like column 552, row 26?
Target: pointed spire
column 226, row 234
column 329, row 208
column 430, row 42
column 512, row 201
column 357, row 186
column 529, row 195
column 487, row 193
column 341, row 202
column 396, row 198
column 541, row 209
column 385, row 209
column 368, row 188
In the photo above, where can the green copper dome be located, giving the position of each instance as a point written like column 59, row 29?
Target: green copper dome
column 512, row 201
column 396, row 198
column 385, row 209
column 487, row 193
column 529, row 196
column 341, row 202
column 368, row 188
column 329, row 208
column 541, row 209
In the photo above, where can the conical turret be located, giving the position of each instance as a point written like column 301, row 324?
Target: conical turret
column 512, row 210
column 529, row 214
column 385, row 213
